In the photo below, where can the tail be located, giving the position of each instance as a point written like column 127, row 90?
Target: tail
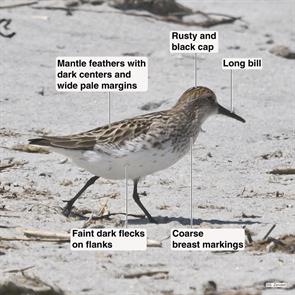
column 66, row 142
column 40, row 141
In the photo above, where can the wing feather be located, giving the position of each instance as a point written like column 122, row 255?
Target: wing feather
column 114, row 138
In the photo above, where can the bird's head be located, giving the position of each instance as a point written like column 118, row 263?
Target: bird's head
column 201, row 102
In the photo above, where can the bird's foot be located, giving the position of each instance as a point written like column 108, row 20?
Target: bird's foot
column 66, row 211
column 152, row 220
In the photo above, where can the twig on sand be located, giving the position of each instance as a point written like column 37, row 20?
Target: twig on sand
column 283, row 171
column 8, row 226
column 18, row 5
column 5, row 166
column 136, row 275
column 33, row 235
column 166, row 238
column 268, row 233
column 19, row 270
column 248, row 235
column 103, row 210
column 33, row 239
column 13, row 164
column 12, row 216
column 28, row 148
column 5, row 23
column 88, row 222
column 276, row 241
column 20, row 282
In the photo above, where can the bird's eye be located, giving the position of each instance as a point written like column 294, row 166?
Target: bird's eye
column 212, row 100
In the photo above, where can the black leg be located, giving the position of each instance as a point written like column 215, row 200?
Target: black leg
column 138, row 202
column 67, row 209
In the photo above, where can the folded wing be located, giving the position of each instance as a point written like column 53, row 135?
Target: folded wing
column 114, row 138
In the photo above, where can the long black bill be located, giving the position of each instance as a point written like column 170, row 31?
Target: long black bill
column 226, row 112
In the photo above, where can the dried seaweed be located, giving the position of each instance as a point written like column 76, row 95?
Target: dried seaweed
column 4, row 26
column 26, row 284
column 165, row 10
column 158, row 7
column 282, row 171
column 285, row 243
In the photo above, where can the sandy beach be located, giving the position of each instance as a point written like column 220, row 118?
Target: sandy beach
column 234, row 182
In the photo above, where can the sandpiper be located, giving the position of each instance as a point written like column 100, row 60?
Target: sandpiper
column 141, row 145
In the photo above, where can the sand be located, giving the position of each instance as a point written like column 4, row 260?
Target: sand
column 231, row 160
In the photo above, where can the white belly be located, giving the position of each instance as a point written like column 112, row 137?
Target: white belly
column 138, row 164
